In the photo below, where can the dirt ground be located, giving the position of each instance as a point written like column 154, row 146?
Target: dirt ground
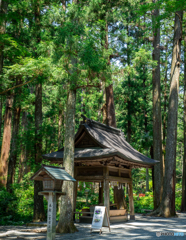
column 142, row 228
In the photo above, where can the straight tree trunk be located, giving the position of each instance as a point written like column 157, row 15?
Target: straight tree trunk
column 3, row 11
column 164, row 118
column 39, row 214
column 14, row 146
column 157, row 127
column 183, row 202
column 167, row 206
column 111, row 119
column 1, row 107
column 129, row 103
column 5, row 148
column 67, row 205
column 60, row 123
column 119, row 198
column 66, row 224
column 22, row 159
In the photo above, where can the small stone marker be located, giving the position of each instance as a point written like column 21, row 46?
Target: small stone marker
column 100, row 218
column 52, row 178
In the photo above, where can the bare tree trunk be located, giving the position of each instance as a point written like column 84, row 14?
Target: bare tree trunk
column 23, row 148
column 39, row 214
column 129, row 103
column 1, row 106
column 66, row 224
column 183, row 202
column 111, row 120
column 104, row 107
column 3, row 10
column 60, row 123
column 5, row 148
column 14, row 146
column 164, row 118
column 167, row 206
column 157, row 135
column 119, row 198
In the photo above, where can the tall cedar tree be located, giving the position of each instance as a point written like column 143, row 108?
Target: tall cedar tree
column 66, row 223
column 183, row 203
column 157, row 135
column 39, row 214
column 14, row 142
column 110, row 113
column 5, row 148
column 167, row 206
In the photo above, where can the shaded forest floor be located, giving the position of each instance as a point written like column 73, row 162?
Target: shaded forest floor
column 142, row 228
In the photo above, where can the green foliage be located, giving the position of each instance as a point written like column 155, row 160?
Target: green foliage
column 143, row 203
column 16, row 208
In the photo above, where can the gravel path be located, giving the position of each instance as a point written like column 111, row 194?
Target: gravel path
column 142, row 228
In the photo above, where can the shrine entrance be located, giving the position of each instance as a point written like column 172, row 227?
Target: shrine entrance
column 106, row 177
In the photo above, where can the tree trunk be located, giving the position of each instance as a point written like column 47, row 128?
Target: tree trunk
column 3, row 10
column 5, row 148
column 165, row 101
column 183, row 203
column 1, row 106
column 164, row 117
column 157, row 135
column 39, row 214
column 167, row 206
column 23, row 147
column 111, row 119
column 110, row 112
column 129, row 103
column 60, row 123
column 104, row 107
column 119, row 198
column 14, row 146
column 66, row 224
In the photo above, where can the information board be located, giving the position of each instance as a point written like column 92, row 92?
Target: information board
column 100, row 218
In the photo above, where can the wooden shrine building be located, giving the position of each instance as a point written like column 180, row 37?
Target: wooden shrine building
column 103, row 155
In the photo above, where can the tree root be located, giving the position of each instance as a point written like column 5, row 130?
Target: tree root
column 66, row 228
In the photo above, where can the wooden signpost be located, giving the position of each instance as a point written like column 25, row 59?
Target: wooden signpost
column 100, row 219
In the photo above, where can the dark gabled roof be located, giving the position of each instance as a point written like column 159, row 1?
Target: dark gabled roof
column 56, row 173
column 108, row 141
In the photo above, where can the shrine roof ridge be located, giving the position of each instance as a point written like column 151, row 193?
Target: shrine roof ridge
column 95, row 124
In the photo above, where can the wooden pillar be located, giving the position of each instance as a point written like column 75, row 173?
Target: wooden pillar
column 101, row 193
column 106, row 189
column 131, row 202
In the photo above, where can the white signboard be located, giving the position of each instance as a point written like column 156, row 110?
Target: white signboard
column 100, row 218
